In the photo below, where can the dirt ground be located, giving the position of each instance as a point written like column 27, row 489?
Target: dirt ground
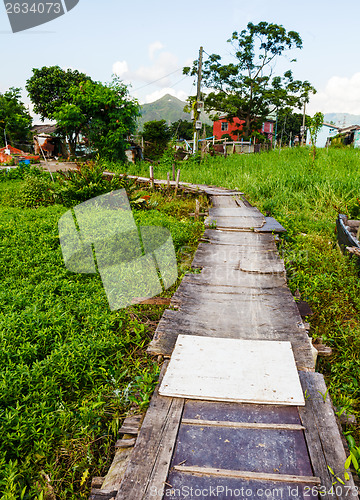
column 53, row 165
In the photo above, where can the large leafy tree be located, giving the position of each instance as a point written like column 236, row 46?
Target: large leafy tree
column 49, row 88
column 15, row 119
column 104, row 114
column 247, row 87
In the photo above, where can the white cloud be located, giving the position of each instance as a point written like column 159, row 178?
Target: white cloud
column 164, row 64
column 120, row 68
column 341, row 95
column 154, row 96
column 153, row 47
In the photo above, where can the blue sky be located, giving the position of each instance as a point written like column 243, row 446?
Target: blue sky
column 145, row 41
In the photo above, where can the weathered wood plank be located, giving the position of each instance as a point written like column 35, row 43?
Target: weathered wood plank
column 259, row 476
column 245, row 238
column 247, row 259
column 271, row 226
column 244, row 413
column 236, row 212
column 223, row 323
column 323, row 437
column 234, row 223
column 241, row 425
column 131, row 424
column 151, row 456
column 228, row 278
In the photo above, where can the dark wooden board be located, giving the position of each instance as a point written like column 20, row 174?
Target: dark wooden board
column 152, row 453
column 323, row 438
column 240, row 460
column 240, row 412
column 180, row 485
column 256, row 450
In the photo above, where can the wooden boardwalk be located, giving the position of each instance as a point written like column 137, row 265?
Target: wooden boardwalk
column 201, row 449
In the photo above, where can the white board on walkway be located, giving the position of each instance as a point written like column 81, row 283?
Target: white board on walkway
column 244, row 371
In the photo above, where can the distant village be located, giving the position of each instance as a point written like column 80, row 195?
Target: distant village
column 219, row 137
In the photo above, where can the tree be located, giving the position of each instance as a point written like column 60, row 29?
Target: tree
column 15, row 119
column 156, row 135
column 288, row 125
column 104, row 114
column 182, row 129
column 315, row 125
column 49, row 88
column 246, row 88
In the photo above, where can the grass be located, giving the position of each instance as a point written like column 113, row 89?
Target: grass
column 305, row 197
column 69, row 368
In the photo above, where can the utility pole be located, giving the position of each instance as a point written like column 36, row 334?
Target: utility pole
column 198, row 98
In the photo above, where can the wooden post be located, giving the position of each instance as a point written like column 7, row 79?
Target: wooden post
column 197, row 209
column 173, row 171
column 168, row 181
column 152, row 176
column 177, row 182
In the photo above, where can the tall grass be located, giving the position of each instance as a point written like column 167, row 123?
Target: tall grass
column 306, row 198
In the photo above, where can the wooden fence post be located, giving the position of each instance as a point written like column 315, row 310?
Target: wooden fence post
column 177, row 182
column 152, row 176
column 168, row 181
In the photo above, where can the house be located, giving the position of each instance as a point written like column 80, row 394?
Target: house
column 233, row 128
column 327, row 131
column 9, row 153
column 46, row 143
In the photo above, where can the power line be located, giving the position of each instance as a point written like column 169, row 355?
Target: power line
column 165, row 76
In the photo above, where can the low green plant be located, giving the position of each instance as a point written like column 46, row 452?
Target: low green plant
column 87, row 181
column 66, row 359
column 35, row 191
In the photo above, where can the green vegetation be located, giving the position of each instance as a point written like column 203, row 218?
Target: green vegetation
column 305, row 197
column 69, row 368
column 247, row 88
column 103, row 113
column 15, row 119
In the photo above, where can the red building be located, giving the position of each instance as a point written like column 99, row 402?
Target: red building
column 224, row 126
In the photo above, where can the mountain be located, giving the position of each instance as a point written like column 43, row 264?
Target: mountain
column 342, row 119
column 167, row 108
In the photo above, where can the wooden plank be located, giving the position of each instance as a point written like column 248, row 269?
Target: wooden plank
column 323, row 438
column 246, row 238
column 245, row 258
column 234, row 412
column 234, row 223
column 241, row 425
column 236, row 212
column 224, row 488
column 271, row 226
column 259, row 476
column 152, row 453
column 236, row 370
column 228, row 279
column 244, row 322
column 131, row 425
